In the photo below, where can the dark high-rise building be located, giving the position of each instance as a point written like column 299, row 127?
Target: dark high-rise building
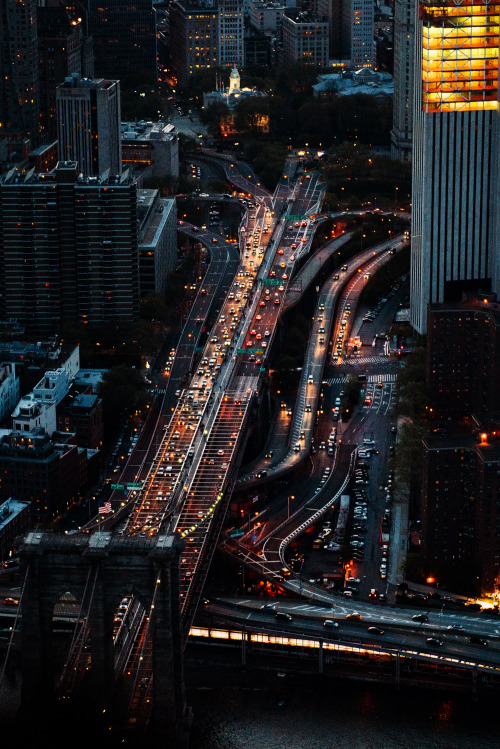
column 305, row 39
column 19, row 96
column 194, row 39
column 124, row 35
column 88, row 124
column 231, row 32
column 461, row 508
column 68, row 248
column 60, row 52
column 463, row 356
column 404, row 58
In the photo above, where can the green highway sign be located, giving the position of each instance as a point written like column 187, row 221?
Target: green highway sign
column 131, row 487
column 250, row 351
column 118, row 487
column 272, row 281
column 262, row 369
column 236, row 532
column 242, row 351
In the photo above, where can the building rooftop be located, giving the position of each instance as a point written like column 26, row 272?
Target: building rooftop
column 147, row 131
column 65, row 171
column 90, row 377
column 484, row 302
column 9, row 509
column 362, row 81
column 74, row 81
column 157, row 221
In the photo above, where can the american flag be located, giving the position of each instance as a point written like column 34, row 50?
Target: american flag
column 104, row 508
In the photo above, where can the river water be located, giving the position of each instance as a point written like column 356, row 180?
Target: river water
column 340, row 716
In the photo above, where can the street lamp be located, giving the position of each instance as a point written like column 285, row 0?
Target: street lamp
column 289, row 498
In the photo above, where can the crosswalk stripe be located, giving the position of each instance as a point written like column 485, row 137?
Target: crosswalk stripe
column 363, row 360
column 371, row 378
column 382, row 378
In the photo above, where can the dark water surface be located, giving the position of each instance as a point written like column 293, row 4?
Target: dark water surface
column 341, row 716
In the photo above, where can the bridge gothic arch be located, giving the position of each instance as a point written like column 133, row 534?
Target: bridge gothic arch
column 99, row 570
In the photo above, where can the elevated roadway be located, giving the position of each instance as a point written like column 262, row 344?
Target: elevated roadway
column 304, row 414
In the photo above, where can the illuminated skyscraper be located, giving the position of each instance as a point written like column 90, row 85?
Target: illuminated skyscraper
column 455, row 162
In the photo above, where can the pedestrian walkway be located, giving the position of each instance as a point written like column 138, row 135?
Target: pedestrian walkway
column 371, row 378
column 362, row 360
column 382, row 377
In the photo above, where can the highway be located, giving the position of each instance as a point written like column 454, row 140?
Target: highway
column 304, row 414
column 394, row 632
column 189, row 476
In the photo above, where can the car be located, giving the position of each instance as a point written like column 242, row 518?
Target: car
column 354, row 580
column 220, row 452
column 262, row 304
column 11, row 602
column 455, row 628
column 380, row 384
column 420, row 618
column 283, row 616
column 434, row 641
column 476, row 640
column 271, row 606
column 330, row 624
column 267, row 333
column 280, row 251
column 373, row 593
column 214, row 240
column 375, row 631
column 355, row 616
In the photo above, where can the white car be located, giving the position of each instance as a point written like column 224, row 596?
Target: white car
column 267, row 333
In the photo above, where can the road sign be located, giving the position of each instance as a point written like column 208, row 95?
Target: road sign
column 132, row 487
column 118, row 487
column 250, row 351
column 262, row 369
column 236, row 532
column 272, row 281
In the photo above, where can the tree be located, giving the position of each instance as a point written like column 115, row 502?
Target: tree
column 408, row 459
column 252, row 115
column 214, row 116
column 154, row 308
column 285, row 374
column 120, row 390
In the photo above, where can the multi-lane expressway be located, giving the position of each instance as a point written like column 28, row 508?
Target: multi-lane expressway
column 190, row 478
column 395, row 629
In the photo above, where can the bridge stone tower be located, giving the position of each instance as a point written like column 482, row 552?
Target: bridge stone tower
column 100, row 569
